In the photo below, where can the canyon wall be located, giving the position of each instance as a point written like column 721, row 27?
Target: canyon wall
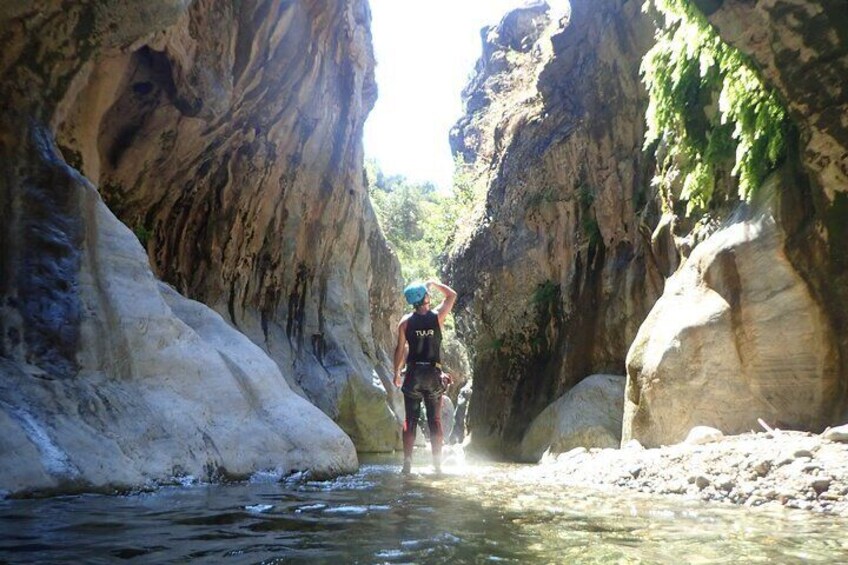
column 227, row 137
column 562, row 267
column 577, row 265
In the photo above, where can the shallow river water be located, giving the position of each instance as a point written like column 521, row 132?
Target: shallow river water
column 473, row 513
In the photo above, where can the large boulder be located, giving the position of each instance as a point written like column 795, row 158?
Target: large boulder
column 165, row 388
column 588, row 415
column 800, row 48
column 736, row 336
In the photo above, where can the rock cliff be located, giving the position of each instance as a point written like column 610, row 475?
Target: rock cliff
column 228, row 138
column 561, row 269
column 574, row 245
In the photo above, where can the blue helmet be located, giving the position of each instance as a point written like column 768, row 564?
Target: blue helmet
column 415, row 293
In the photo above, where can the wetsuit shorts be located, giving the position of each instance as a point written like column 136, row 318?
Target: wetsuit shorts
column 423, row 381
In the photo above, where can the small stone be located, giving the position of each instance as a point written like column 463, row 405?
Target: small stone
column 784, row 460
column 820, row 485
column 700, row 435
column 634, row 445
column 762, row 468
column 727, row 485
column 676, row 488
column 839, row 433
column 803, row 453
column 635, row 471
column 769, row 494
column 576, row 452
column 702, row 482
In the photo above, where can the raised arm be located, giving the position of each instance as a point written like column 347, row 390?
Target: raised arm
column 450, row 297
column 400, row 349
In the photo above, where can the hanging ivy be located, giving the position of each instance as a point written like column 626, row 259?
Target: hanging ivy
column 708, row 113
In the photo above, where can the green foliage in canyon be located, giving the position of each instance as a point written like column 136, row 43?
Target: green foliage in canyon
column 709, row 117
column 417, row 219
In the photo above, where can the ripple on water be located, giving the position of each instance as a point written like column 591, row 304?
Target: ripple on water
column 259, row 508
column 482, row 513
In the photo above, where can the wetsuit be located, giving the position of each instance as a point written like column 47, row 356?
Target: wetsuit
column 423, row 380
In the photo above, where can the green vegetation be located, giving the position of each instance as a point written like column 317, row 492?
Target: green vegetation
column 143, row 234
column 546, row 294
column 419, row 222
column 708, row 115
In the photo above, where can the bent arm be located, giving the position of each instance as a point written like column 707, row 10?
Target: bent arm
column 400, row 350
column 450, row 298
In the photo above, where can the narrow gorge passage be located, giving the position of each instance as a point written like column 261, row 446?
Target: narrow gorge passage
column 202, row 270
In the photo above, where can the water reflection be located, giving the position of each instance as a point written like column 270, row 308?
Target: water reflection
column 473, row 513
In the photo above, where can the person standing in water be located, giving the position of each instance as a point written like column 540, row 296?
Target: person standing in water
column 421, row 330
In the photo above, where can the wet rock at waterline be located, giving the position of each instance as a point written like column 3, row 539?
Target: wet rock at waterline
column 736, row 336
column 588, row 415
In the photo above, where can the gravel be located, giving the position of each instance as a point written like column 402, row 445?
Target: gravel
column 793, row 469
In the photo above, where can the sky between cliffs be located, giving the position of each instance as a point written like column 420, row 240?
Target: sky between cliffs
column 425, row 52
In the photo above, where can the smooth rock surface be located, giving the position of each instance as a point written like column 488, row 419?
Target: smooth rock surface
column 699, row 435
column 800, row 48
column 736, row 336
column 165, row 389
column 231, row 143
column 588, row 415
column 839, row 433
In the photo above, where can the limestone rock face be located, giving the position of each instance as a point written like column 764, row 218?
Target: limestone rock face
column 560, row 272
column 736, row 336
column 228, row 138
column 588, row 415
column 232, row 140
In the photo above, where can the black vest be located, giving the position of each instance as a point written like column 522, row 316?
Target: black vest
column 424, row 336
